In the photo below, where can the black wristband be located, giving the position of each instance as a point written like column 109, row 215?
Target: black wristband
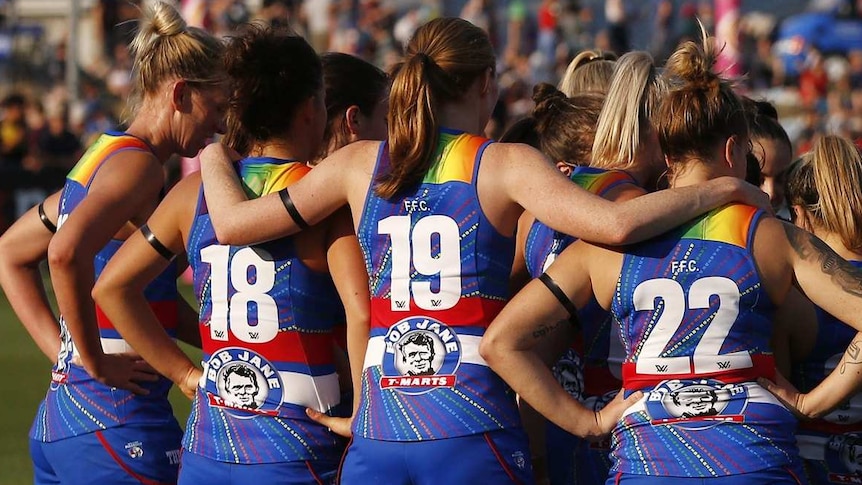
column 156, row 244
column 44, row 218
column 561, row 297
column 291, row 209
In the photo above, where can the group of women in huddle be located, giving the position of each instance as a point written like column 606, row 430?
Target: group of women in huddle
column 370, row 296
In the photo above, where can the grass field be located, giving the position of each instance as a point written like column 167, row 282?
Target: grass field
column 29, row 370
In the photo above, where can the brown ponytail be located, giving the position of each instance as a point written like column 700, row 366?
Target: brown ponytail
column 443, row 59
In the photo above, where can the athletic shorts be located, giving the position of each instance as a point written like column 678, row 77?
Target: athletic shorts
column 570, row 459
column 198, row 470
column 788, row 475
column 129, row 454
column 495, row 457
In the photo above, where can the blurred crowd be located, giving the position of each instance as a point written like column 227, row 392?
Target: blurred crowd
column 43, row 128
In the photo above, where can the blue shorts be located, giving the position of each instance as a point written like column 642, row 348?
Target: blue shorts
column 495, row 457
column 574, row 460
column 788, row 475
column 130, row 454
column 196, row 470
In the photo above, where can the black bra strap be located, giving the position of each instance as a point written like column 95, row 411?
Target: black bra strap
column 561, row 297
column 291, row 209
column 44, row 218
column 156, row 244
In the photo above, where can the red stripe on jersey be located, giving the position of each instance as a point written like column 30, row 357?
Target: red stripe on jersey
column 468, row 312
column 166, row 313
column 763, row 366
column 287, row 346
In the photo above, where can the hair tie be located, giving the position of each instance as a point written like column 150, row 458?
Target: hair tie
column 425, row 58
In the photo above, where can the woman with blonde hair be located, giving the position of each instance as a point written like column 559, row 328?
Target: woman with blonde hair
column 267, row 340
column 694, row 307
column 590, row 71
column 435, row 209
column 824, row 198
column 106, row 417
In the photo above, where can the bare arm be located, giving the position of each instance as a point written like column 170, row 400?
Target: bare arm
column 120, row 290
column 835, row 285
column 535, row 185
column 321, row 192
column 124, row 189
column 22, row 248
column 509, row 346
column 347, row 267
column 187, row 316
column 794, row 331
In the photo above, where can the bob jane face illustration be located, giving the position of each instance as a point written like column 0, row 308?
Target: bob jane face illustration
column 696, row 402
column 241, row 387
column 417, row 352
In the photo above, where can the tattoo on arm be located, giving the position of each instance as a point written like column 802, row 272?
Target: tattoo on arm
column 810, row 248
column 851, row 356
column 543, row 330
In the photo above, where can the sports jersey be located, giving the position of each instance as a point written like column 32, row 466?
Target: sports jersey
column 76, row 403
column 832, row 444
column 266, row 324
column 438, row 275
column 695, row 322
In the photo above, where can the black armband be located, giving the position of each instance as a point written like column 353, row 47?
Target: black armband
column 44, row 218
column 156, row 244
column 291, row 209
column 561, row 297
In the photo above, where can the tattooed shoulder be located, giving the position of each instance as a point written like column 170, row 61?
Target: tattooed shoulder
column 811, row 248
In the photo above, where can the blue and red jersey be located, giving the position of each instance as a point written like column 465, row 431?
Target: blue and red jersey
column 76, row 403
column 266, row 322
column 831, row 445
column 438, row 275
column 695, row 323
column 599, row 377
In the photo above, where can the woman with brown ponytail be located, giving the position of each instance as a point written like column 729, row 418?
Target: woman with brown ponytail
column 435, row 209
column 694, row 309
column 824, row 198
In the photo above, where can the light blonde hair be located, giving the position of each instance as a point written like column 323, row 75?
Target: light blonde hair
column 634, row 93
column 165, row 47
column 442, row 61
column 590, row 71
column 826, row 183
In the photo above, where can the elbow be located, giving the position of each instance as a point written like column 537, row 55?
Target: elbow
column 61, row 256
column 621, row 232
column 489, row 349
column 227, row 234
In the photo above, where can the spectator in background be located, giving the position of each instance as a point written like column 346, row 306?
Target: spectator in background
column 57, row 147
column 13, row 132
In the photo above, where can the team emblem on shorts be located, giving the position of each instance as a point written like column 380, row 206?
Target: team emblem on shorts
column 135, row 449
column 696, row 404
column 421, row 354
column 844, row 458
column 243, row 383
column 61, row 372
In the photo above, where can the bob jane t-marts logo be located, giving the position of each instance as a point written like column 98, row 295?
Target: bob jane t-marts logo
column 421, row 354
column 243, row 383
column 696, row 404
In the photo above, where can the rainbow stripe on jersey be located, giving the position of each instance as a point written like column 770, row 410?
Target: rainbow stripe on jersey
column 266, row 325
column 696, row 322
column 76, row 403
column 438, row 275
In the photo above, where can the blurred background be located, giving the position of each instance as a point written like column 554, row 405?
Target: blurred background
column 64, row 78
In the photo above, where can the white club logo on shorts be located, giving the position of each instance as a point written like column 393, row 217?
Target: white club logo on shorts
column 696, row 404
column 135, row 449
column 421, row 354
column 243, row 383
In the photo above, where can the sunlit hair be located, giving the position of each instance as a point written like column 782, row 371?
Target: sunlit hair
column 633, row 96
column 165, row 48
column 349, row 81
column 700, row 109
column 827, row 183
column 566, row 126
column 589, row 71
column 272, row 73
column 442, row 61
